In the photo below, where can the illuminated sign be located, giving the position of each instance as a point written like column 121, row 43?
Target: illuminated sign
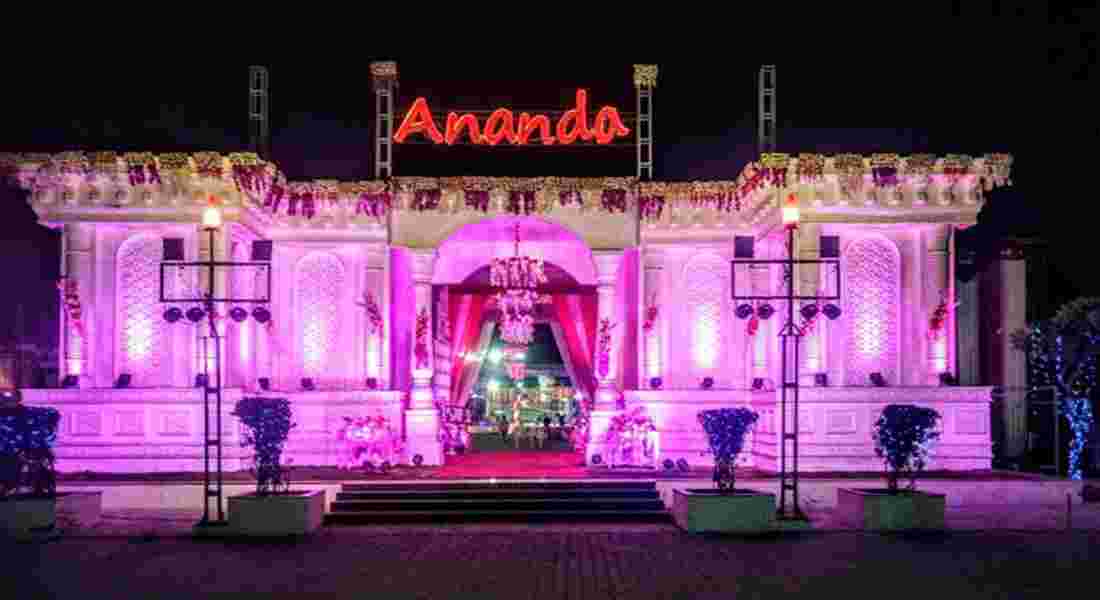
column 502, row 126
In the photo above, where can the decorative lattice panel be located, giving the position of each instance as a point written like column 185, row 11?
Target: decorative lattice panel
column 140, row 324
column 872, row 270
column 704, row 284
column 319, row 280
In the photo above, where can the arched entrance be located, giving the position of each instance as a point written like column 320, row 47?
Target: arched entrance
column 482, row 389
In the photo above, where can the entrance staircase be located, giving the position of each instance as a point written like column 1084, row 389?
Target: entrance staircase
column 501, row 501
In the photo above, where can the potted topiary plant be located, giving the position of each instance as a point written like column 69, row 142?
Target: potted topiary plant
column 273, row 509
column 725, row 508
column 903, row 436
column 29, row 501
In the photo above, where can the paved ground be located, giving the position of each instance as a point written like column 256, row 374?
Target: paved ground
column 572, row 562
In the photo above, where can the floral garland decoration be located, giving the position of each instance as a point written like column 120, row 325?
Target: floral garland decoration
column 142, row 168
column 884, row 170
column 939, row 318
column 71, row 301
column 652, row 312
column 72, row 163
column 175, row 163
column 775, row 167
column 811, row 168
column 849, row 169
column 105, row 163
column 955, row 167
column 999, row 166
column 421, row 349
column 374, row 313
column 605, row 346
column 208, row 164
column 250, row 174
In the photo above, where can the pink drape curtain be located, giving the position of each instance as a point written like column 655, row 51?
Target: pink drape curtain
column 466, row 313
column 577, row 315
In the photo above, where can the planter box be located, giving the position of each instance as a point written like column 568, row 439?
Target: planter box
column 878, row 510
column 21, row 515
column 296, row 513
column 704, row 510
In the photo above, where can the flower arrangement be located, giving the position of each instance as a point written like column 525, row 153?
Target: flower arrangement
column 27, row 436
column 726, row 429
column 605, row 346
column 421, row 347
column 70, row 299
column 368, row 439
column 903, row 436
column 939, row 318
column 651, row 313
column 268, row 422
column 374, row 313
column 628, row 432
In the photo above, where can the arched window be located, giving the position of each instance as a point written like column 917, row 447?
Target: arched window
column 140, row 324
column 872, row 269
column 704, row 285
column 320, row 277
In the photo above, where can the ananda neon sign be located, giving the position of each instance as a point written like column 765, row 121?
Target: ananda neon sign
column 502, row 126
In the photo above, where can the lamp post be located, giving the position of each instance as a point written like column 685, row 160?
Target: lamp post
column 212, row 386
column 789, row 336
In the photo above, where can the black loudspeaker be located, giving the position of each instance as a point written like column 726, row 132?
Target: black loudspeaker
column 743, row 246
column 70, row 381
column 830, row 246
column 261, row 250
column 124, row 380
column 173, row 249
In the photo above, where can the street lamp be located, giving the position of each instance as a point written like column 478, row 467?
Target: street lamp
column 790, row 332
column 211, row 222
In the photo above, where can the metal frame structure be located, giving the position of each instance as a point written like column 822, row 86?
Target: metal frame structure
column 789, row 334
column 212, row 482
column 644, row 134
column 259, row 118
column 766, row 136
column 385, row 88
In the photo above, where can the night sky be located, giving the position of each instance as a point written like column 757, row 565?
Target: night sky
column 1019, row 85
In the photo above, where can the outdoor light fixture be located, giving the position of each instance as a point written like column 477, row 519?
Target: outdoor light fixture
column 877, row 379
column 758, row 384
column 809, row 311
column 261, row 314
column 496, row 356
column 123, row 381
column 821, row 379
column 265, row 384
column 201, row 380
column 831, row 311
column 238, row 314
column 947, row 379
column 307, row 384
column 173, row 314
column 744, row 311
column 765, row 311
column 790, row 212
column 211, row 216
column 70, row 381
column 195, row 314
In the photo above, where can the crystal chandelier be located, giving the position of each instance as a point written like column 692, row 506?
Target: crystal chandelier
column 517, row 277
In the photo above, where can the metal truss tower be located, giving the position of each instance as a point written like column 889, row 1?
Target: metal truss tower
column 765, row 141
column 259, row 132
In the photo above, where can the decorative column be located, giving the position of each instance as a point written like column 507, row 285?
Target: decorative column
column 79, row 245
column 1012, row 293
column 937, row 287
column 422, row 418
column 441, row 380
column 376, row 297
column 809, row 279
column 652, row 300
column 606, row 402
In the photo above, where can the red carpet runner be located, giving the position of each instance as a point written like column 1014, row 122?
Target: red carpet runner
column 516, row 464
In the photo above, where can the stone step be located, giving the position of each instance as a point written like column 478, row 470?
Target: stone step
column 487, row 493
column 501, row 485
column 526, row 516
column 498, row 504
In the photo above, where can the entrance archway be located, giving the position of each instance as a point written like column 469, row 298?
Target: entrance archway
column 462, row 275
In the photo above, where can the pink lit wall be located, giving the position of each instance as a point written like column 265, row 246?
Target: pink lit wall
column 402, row 307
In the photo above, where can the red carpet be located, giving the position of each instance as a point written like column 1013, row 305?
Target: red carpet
column 514, row 464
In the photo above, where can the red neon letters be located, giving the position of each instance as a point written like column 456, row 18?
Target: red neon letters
column 502, row 126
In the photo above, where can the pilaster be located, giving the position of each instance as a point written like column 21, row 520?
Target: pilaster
column 377, row 348
column 937, row 287
column 650, row 364
column 76, row 354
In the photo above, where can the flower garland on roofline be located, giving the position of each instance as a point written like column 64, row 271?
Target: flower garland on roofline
column 811, row 168
column 884, row 170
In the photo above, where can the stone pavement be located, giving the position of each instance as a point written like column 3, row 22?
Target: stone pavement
column 577, row 563
column 172, row 523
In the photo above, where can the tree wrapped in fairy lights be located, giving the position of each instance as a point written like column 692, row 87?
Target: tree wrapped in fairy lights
column 726, row 429
column 1062, row 354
